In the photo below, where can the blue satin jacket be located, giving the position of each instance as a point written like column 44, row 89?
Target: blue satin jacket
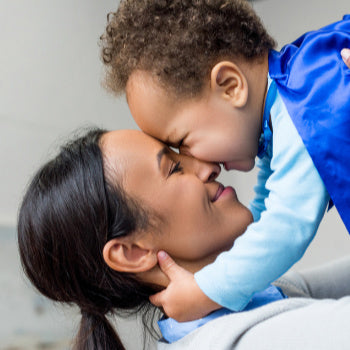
column 314, row 84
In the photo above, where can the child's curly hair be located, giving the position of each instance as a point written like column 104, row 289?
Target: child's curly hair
column 179, row 41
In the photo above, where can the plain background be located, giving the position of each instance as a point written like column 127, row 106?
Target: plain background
column 50, row 75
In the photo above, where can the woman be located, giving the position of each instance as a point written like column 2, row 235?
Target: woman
column 128, row 201
column 94, row 218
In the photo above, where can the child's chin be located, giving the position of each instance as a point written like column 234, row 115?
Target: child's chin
column 245, row 165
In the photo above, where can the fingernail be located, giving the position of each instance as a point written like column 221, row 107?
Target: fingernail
column 345, row 53
column 162, row 254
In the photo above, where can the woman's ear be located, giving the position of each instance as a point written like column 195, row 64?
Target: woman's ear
column 125, row 255
column 227, row 79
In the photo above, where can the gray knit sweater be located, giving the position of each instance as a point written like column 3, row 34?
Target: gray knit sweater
column 315, row 317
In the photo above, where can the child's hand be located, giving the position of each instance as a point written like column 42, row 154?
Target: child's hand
column 182, row 300
column 345, row 54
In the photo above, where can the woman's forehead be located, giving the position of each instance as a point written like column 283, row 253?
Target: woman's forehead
column 130, row 138
column 128, row 145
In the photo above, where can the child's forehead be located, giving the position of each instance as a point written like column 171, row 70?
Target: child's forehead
column 148, row 81
column 150, row 105
column 144, row 89
column 161, row 114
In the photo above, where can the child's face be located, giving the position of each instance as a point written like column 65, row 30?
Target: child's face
column 207, row 127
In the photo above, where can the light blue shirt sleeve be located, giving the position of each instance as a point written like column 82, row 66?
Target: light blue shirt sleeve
column 290, row 202
column 257, row 205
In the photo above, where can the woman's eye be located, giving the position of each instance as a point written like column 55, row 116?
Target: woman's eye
column 175, row 168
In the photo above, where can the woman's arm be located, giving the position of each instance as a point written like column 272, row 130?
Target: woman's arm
column 293, row 323
column 330, row 280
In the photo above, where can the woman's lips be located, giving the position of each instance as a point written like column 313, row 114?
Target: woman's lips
column 218, row 192
column 222, row 191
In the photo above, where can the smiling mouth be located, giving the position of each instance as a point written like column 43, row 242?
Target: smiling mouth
column 218, row 193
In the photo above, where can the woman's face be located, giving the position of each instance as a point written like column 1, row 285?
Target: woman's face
column 199, row 217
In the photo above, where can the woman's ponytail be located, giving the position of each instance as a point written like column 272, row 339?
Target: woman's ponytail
column 68, row 214
column 96, row 333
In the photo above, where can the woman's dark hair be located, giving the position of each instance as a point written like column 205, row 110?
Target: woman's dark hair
column 68, row 214
column 179, row 41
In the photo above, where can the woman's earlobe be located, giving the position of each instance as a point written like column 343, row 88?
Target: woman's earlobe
column 124, row 256
column 228, row 80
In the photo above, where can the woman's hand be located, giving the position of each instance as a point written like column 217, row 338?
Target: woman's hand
column 345, row 54
column 182, row 300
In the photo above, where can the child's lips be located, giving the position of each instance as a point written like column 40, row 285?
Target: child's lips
column 229, row 165
column 241, row 165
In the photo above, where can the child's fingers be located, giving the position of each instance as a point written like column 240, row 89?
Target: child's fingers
column 168, row 265
column 345, row 54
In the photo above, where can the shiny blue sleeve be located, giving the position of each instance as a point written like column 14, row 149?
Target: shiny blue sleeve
column 314, row 84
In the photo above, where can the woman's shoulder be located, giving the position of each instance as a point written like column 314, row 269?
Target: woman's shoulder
column 269, row 327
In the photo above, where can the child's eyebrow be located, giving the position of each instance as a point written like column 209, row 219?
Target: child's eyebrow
column 161, row 153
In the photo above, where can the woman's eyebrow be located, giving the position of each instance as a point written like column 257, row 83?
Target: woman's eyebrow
column 160, row 154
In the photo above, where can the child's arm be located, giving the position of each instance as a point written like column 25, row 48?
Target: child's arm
column 295, row 202
column 295, row 205
column 257, row 205
column 182, row 300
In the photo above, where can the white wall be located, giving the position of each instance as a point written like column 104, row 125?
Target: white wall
column 50, row 75
column 49, row 84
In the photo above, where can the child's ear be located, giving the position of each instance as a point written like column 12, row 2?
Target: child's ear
column 125, row 255
column 228, row 80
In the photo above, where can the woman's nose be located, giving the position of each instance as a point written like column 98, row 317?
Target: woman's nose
column 208, row 172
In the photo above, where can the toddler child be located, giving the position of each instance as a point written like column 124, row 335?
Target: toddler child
column 203, row 76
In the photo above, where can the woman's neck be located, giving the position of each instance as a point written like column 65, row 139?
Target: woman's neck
column 156, row 277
